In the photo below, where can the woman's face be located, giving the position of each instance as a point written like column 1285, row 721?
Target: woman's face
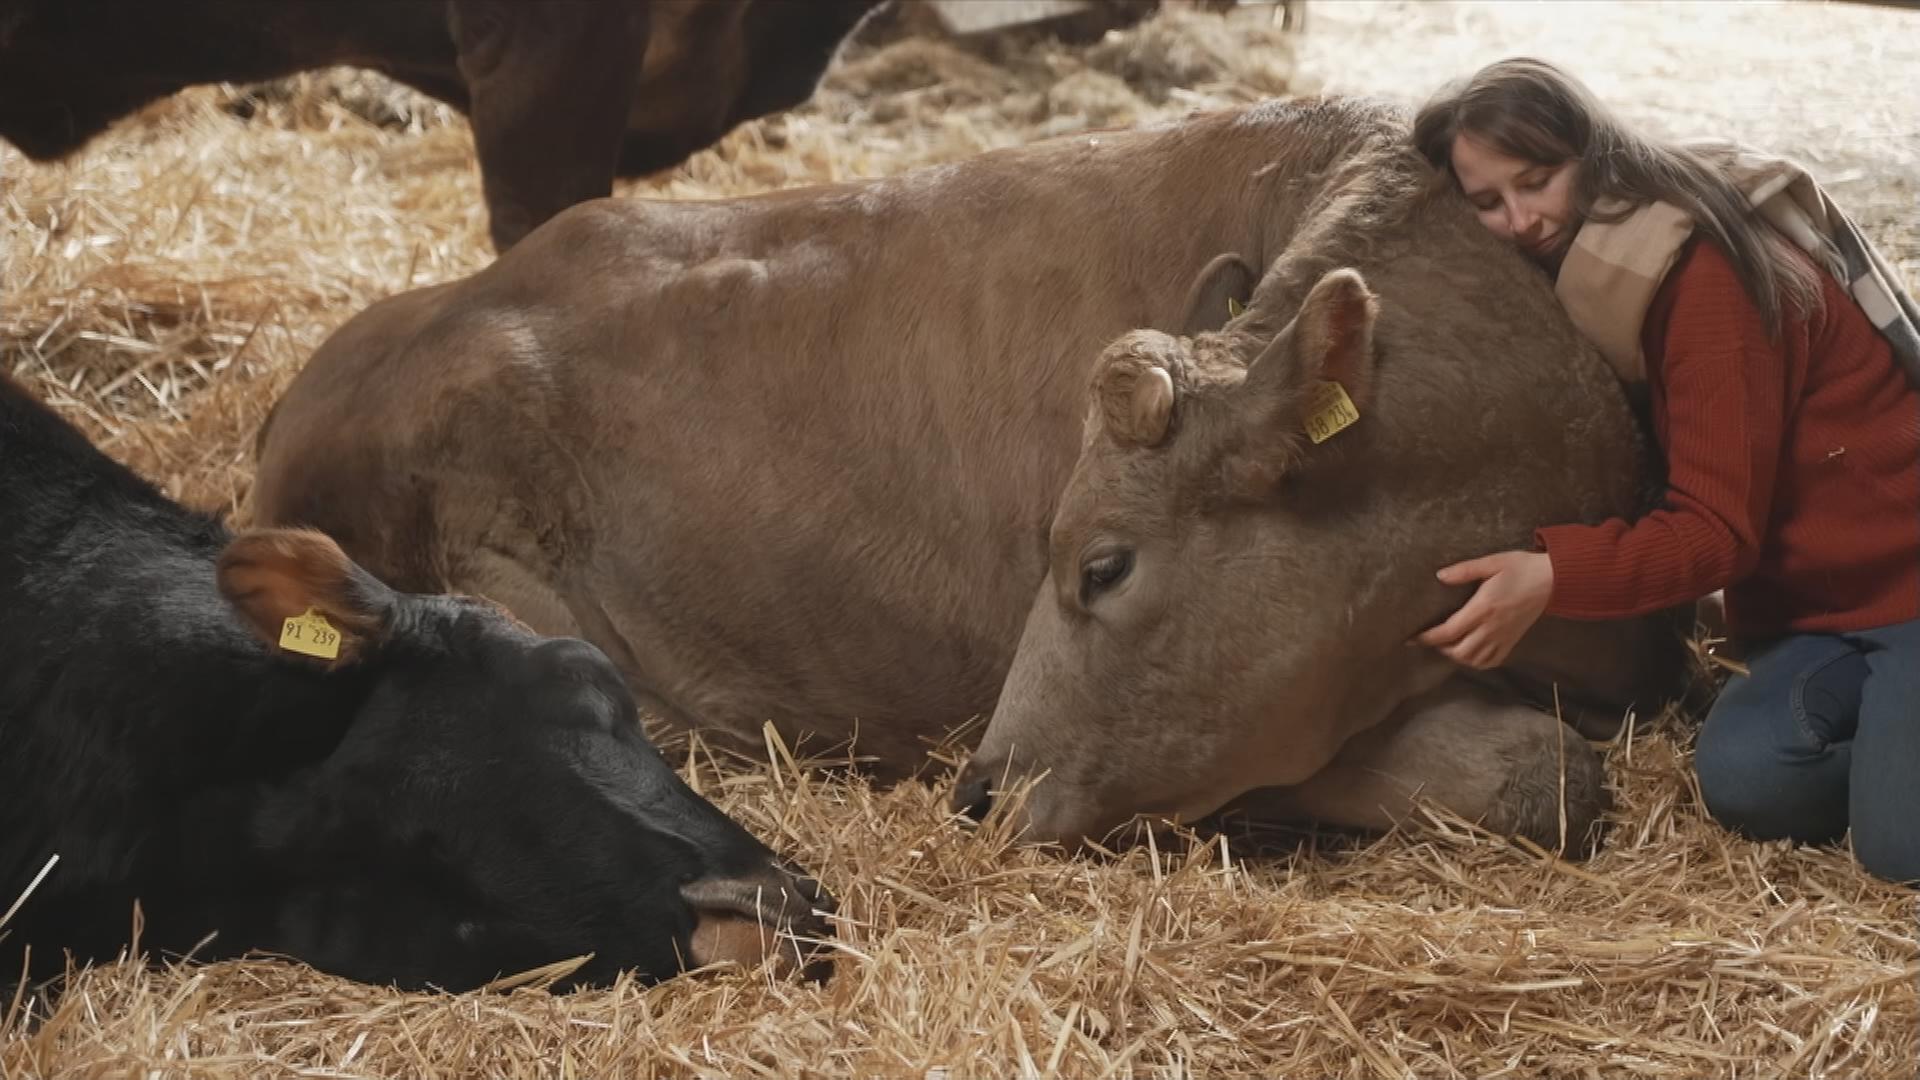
column 1523, row 202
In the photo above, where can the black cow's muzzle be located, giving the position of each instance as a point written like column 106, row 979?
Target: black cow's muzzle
column 747, row 919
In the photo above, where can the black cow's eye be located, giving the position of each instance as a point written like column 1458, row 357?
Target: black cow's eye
column 1103, row 572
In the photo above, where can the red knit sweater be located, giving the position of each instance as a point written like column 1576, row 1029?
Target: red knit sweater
column 1793, row 470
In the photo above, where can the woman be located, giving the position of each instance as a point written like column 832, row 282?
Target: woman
column 1792, row 437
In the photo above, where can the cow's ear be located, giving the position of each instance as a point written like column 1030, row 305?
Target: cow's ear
column 301, row 594
column 1330, row 340
column 1311, row 383
column 1133, row 390
column 1219, row 292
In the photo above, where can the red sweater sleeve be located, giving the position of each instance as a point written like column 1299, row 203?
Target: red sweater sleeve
column 1724, row 385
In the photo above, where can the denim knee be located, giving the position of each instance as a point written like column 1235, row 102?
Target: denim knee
column 1746, row 790
column 1886, row 758
column 1887, row 848
column 1772, row 758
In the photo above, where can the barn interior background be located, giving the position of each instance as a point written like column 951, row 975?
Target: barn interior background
column 162, row 288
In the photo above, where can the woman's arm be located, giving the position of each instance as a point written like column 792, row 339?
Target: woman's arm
column 1726, row 389
column 1725, row 386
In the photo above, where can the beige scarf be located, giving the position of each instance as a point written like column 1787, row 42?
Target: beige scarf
column 1612, row 271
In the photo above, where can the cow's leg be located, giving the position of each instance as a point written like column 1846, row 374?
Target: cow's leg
column 1600, row 670
column 549, row 86
column 1513, row 769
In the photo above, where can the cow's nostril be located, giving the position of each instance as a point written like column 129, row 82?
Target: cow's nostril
column 816, row 894
column 972, row 797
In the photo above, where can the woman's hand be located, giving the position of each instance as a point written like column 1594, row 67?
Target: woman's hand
column 1515, row 587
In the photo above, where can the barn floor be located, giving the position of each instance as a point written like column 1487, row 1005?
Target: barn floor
column 162, row 289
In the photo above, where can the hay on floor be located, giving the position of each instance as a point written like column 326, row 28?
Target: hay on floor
column 163, row 287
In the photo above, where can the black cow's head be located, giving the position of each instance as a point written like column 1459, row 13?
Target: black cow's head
column 492, row 806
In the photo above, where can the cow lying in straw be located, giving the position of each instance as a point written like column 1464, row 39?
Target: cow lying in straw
column 827, row 458
column 266, row 748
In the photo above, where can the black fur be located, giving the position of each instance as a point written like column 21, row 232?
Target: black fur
column 465, row 800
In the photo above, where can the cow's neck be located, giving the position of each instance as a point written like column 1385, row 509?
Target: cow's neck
column 1131, row 264
column 125, row 678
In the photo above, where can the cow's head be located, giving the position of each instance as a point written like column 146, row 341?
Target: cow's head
column 493, row 805
column 1178, row 652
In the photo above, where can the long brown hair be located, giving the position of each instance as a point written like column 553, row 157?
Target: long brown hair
column 1531, row 110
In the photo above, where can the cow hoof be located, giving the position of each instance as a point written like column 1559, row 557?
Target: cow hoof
column 1556, row 798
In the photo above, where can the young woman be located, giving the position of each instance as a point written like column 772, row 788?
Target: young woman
column 1791, row 430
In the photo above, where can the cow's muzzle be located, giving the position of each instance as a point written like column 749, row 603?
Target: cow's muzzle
column 776, row 914
column 973, row 793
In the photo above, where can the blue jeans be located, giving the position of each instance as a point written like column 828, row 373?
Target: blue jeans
column 1823, row 733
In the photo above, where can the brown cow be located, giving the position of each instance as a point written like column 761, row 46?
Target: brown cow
column 560, row 99
column 817, row 458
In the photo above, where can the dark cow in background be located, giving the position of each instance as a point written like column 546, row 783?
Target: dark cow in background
column 823, row 458
column 448, row 798
column 563, row 94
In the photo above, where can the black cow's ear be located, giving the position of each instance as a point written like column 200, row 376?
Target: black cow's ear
column 300, row 593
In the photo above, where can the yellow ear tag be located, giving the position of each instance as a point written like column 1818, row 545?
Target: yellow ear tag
column 1234, row 308
column 1330, row 412
column 310, row 635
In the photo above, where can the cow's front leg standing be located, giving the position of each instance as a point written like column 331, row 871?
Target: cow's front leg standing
column 550, row 88
column 1513, row 769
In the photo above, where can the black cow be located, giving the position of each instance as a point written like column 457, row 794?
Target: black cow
column 449, row 798
column 560, row 98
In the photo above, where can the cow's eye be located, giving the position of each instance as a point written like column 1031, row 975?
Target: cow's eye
column 1103, row 572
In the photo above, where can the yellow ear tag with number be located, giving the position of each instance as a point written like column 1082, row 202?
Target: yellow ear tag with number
column 1329, row 412
column 310, row 634
column 1234, row 308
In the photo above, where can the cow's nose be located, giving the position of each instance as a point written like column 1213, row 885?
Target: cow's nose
column 775, row 913
column 971, row 795
column 815, row 894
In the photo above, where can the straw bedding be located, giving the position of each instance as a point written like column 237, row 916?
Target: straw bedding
column 162, row 288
